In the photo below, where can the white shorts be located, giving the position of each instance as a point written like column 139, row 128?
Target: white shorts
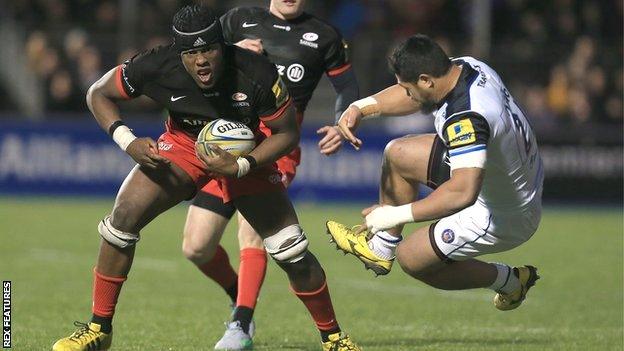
column 476, row 231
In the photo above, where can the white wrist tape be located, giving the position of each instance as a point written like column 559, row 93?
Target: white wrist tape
column 386, row 217
column 243, row 167
column 123, row 136
column 368, row 106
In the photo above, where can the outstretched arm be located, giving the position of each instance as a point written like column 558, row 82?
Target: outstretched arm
column 347, row 91
column 392, row 101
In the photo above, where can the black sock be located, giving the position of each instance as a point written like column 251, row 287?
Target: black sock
column 326, row 333
column 104, row 322
column 232, row 292
column 243, row 315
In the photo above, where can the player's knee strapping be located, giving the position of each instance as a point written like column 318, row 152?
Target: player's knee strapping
column 116, row 237
column 289, row 245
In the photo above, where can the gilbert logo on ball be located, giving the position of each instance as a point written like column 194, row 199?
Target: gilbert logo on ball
column 232, row 136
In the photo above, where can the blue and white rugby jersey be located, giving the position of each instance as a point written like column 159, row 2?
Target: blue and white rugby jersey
column 482, row 126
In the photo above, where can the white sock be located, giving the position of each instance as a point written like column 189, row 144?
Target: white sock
column 506, row 281
column 384, row 244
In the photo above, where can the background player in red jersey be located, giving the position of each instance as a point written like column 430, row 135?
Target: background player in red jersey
column 194, row 79
column 303, row 48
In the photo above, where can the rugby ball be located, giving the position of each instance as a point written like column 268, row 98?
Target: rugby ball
column 232, row 136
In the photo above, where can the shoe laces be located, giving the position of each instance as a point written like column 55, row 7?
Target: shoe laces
column 83, row 331
column 232, row 326
column 344, row 344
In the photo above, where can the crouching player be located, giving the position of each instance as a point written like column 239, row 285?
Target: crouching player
column 194, row 79
column 483, row 163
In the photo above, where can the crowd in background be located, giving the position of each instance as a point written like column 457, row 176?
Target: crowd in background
column 561, row 58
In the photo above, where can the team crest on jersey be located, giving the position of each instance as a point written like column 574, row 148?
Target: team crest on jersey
column 239, row 99
column 448, row 236
column 461, row 133
column 308, row 39
column 310, row 36
column 239, row 96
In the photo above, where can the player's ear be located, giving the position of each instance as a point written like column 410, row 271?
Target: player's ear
column 425, row 81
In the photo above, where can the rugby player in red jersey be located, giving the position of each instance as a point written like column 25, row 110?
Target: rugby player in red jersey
column 303, row 48
column 194, row 78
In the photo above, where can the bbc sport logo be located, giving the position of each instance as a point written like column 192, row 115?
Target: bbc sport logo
column 6, row 314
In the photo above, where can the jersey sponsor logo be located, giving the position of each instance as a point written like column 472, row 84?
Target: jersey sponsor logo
column 310, row 36
column 295, row 72
column 176, row 98
column 461, row 133
column 213, row 94
column 280, row 92
column 125, row 78
column 199, row 42
column 247, row 25
column 286, row 28
column 164, row 146
column 448, row 236
column 239, row 96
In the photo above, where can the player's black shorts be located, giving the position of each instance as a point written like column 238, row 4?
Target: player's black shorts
column 214, row 203
column 438, row 169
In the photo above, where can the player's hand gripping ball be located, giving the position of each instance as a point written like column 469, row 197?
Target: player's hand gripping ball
column 231, row 136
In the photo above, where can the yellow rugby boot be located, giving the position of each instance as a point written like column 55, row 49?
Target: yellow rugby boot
column 87, row 337
column 349, row 241
column 340, row 342
column 527, row 276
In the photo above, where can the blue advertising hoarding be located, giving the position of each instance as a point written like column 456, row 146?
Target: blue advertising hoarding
column 78, row 158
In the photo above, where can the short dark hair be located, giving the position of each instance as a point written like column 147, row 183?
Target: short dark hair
column 192, row 18
column 418, row 55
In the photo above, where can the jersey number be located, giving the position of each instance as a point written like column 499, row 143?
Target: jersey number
column 518, row 122
column 523, row 131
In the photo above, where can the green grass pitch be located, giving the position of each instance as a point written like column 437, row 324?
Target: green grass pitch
column 48, row 249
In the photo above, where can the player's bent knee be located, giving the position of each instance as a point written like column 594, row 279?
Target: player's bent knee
column 115, row 236
column 196, row 253
column 407, row 261
column 289, row 245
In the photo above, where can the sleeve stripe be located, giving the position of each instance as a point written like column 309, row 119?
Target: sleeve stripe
column 469, row 160
column 467, row 150
column 277, row 113
column 119, row 83
column 339, row 70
